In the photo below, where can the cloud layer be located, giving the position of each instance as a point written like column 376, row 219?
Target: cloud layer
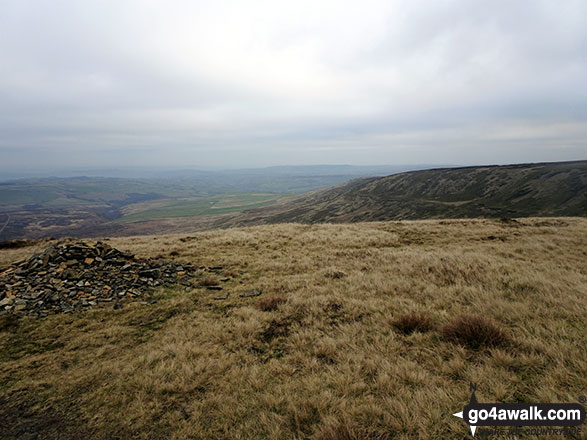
column 253, row 83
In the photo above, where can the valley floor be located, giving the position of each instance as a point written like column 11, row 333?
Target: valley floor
column 326, row 351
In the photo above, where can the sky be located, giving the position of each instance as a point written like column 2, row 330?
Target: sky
column 233, row 84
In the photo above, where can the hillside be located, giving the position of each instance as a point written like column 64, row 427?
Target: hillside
column 359, row 331
column 546, row 189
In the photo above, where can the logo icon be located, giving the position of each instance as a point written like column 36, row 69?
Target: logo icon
column 472, row 388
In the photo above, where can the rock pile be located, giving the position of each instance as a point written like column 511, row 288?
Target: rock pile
column 68, row 277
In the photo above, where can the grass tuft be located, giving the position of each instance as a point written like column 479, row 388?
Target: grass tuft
column 208, row 282
column 8, row 323
column 271, row 303
column 475, row 331
column 411, row 322
column 335, row 274
column 275, row 329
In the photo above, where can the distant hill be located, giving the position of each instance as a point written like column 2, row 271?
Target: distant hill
column 543, row 189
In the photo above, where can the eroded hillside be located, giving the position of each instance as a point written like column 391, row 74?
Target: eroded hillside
column 526, row 190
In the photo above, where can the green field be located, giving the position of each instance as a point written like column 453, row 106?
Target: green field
column 220, row 204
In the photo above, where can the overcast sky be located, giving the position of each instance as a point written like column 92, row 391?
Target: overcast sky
column 254, row 83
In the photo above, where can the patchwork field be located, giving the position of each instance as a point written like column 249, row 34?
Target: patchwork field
column 220, row 204
column 362, row 331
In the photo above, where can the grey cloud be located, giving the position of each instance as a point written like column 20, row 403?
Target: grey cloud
column 213, row 83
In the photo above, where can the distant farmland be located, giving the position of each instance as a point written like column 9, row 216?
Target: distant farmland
column 221, row 204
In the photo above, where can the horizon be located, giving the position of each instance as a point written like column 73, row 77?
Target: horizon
column 117, row 171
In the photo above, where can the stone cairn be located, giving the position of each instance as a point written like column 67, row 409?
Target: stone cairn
column 77, row 276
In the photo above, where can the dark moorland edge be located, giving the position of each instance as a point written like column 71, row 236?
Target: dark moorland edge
column 525, row 190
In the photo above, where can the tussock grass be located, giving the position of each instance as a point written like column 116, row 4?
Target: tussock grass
column 328, row 362
column 475, row 331
column 408, row 323
column 209, row 282
column 271, row 303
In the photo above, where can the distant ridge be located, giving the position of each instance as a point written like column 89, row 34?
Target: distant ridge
column 524, row 190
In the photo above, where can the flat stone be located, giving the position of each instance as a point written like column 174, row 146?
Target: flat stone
column 222, row 296
column 7, row 301
column 151, row 273
column 249, row 293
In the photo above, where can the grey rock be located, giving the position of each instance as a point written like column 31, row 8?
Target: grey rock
column 7, row 301
column 222, row 296
column 250, row 293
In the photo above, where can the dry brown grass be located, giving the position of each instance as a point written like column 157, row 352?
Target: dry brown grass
column 346, row 430
column 325, row 364
column 209, row 282
column 408, row 323
column 271, row 303
column 334, row 274
column 475, row 331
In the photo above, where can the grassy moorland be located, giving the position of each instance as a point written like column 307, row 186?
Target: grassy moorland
column 363, row 331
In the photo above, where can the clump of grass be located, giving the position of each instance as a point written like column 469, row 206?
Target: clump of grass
column 173, row 254
column 332, row 307
column 475, row 331
column 275, row 329
column 271, row 303
column 208, row 281
column 334, row 274
column 231, row 273
column 409, row 323
column 8, row 322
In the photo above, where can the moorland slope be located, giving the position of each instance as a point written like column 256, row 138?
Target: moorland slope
column 361, row 331
column 545, row 189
